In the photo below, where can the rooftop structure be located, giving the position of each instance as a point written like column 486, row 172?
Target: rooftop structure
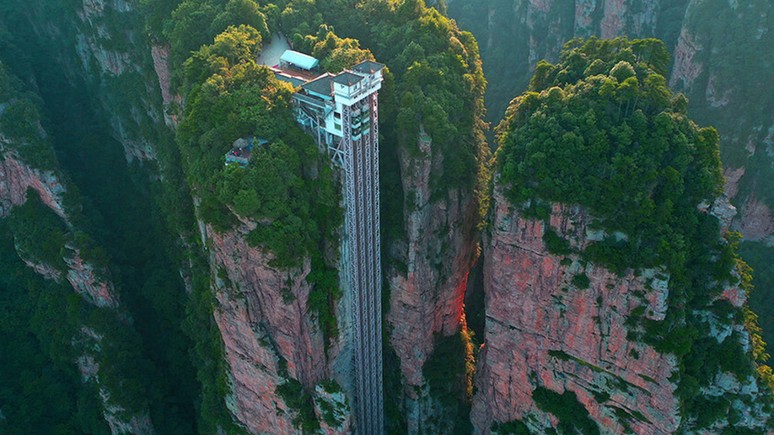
column 242, row 150
column 299, row 60
column 347, row 78
column 296, row 81
column 368, row 67
column 321, row 87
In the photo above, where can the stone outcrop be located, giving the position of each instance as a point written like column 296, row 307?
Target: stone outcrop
column 542, row 330
column 92, row 283
column 268, row 331
column 427, row 298
column 16, row 177
column 703, row 38
column 545, row 328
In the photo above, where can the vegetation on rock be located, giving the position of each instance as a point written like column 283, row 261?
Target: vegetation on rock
column 601, row 129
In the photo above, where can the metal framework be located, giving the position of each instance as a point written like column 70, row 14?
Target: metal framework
column 355, row 94
column 359, row 148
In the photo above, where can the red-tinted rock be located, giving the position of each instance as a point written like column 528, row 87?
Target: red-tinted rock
column 16, row 177
column 542, row 330
column 268, row 332
column 427, row 298
column 85, row 280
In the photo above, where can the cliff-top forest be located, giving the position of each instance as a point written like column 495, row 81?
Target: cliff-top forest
column 576, row 229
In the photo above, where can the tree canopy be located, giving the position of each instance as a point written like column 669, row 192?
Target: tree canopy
column 602, row 129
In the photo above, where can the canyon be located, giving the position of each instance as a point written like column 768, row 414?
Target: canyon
column 259, row 358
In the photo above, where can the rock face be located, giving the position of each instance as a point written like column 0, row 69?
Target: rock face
column 704, row 39
column 17, row 177
column 109, row 54
column 85, row 279
column 542, row 330
column 427, row 298
column 161, row 66
column 270, row 336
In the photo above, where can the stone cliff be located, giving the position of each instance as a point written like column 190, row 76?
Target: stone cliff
column 706, row 39
column 270, row 335
column 427, row 291
column 544, row 330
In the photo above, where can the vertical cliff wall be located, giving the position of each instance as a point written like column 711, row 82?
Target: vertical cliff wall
column 272, row 340
column 614, row 299
column 428, row 288
column 43, row 216
column 544, row 330
column 717, row 51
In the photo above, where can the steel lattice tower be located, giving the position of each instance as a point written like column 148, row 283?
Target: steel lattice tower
column 361, row 167
column 343, row 113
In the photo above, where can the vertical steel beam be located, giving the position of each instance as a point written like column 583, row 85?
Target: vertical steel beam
column 363, row 268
